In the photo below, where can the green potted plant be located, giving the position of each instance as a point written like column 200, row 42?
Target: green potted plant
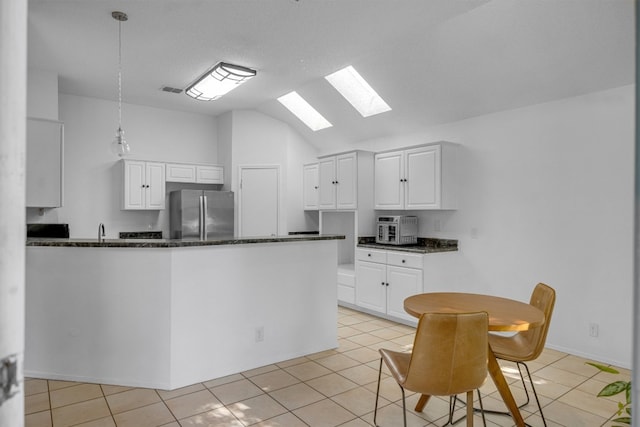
column 614, row 388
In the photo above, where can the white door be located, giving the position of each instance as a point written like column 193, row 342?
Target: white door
column 371, row 285
column 403, row 282
column 310, row 187
column 327, row 183
column 388, row 183
column 423, row 178
column 258, row 213
column 346, row 181
column 155, row 185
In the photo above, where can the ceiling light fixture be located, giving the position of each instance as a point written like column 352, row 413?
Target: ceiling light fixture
column 304, row 111
column 119, row 145
column 357, row 91
column 219, row 80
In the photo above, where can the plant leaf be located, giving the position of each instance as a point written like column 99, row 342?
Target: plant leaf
column 603, row 368
column 613, row 388
column 625, row 420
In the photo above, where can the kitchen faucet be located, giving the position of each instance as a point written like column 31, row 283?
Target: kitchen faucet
column 101, row 234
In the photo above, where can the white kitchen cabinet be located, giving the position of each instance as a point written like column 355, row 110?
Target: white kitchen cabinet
column 194, row 173
column 44, row 163
column 345, row 181
column 384, row 279
column 310, row 187
column 418, row 178
column 144, row 185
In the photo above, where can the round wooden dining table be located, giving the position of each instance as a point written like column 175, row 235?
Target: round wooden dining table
column 505, row 315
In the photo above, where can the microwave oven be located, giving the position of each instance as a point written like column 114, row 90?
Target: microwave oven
column 397, row 230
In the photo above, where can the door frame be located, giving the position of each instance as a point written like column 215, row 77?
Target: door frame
column 241, row 169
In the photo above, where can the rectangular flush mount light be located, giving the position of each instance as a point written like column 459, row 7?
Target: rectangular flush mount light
column 305, row 112
column 221, row 79
column 357, row 91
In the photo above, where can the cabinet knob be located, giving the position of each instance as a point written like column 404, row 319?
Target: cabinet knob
column 368, row 255
column 382, row 283
column 403, row 261
column 316, row 187
column 387, row 284
column 336, row 182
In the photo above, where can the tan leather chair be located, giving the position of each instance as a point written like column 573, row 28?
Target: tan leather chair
column 527, row 345
column 449, row 357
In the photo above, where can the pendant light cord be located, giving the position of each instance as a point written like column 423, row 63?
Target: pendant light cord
column 119, row 75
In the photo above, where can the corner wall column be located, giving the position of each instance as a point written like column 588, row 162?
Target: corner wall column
column 13, row 99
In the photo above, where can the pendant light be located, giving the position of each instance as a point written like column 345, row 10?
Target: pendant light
column 119, row 145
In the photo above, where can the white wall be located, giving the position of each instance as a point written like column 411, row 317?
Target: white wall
column 92, row 176
column 257, row 139
column 547, row 196
column 42, row 94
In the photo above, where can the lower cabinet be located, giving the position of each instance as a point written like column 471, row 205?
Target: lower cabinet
column 385, row 278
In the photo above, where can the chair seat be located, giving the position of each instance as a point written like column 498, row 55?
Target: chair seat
column 513, row 348
column 397, row 362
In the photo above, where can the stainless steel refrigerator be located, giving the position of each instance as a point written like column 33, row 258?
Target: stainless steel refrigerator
column 198, row 214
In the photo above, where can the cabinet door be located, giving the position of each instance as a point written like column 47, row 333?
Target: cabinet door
column 310, row 187
column 134, row 185
column 176, row 172
column 371, row 289
column 423, row 176
column 403, row 282
column 155, row 185
column 209, row 174
column 389, row 180
column 347, row 181
column 326, row 183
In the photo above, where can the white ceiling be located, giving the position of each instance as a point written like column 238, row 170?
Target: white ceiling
column 433, row 61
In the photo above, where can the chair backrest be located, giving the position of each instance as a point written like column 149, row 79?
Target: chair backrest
column 449, row 354
column 544, row 298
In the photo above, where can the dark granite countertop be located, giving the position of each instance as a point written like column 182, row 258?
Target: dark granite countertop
column 175, row 243
column 426, row 245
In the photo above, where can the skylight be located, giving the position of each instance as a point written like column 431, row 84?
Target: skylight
column 357, row 91
column 305, row 112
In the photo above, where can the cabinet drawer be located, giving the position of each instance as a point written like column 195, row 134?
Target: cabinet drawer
column 403, row 259
column 371, row 255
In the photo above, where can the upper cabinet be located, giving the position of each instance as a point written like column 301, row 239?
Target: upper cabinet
column 344, row 180
column 194, row 173
column 44, row 163
column 416, row 178
column 144, row 185
column 310, row 187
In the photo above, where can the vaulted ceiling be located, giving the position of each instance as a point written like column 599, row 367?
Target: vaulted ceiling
column 433, row 61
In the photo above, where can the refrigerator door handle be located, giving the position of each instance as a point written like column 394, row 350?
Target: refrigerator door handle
column 203, row 217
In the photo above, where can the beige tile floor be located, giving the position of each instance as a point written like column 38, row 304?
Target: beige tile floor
column 332, row 388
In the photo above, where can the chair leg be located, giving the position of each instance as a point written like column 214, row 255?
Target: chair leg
column 404, row 408
column 484, row 421
column 524, row 385
column 375, row 410
column 535, row 394
column 470, row 408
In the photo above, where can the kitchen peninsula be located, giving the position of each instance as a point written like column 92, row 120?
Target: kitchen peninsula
column 169, row 313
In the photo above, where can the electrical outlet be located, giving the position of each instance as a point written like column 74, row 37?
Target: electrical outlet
column 260, row 334
column 593, row 329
